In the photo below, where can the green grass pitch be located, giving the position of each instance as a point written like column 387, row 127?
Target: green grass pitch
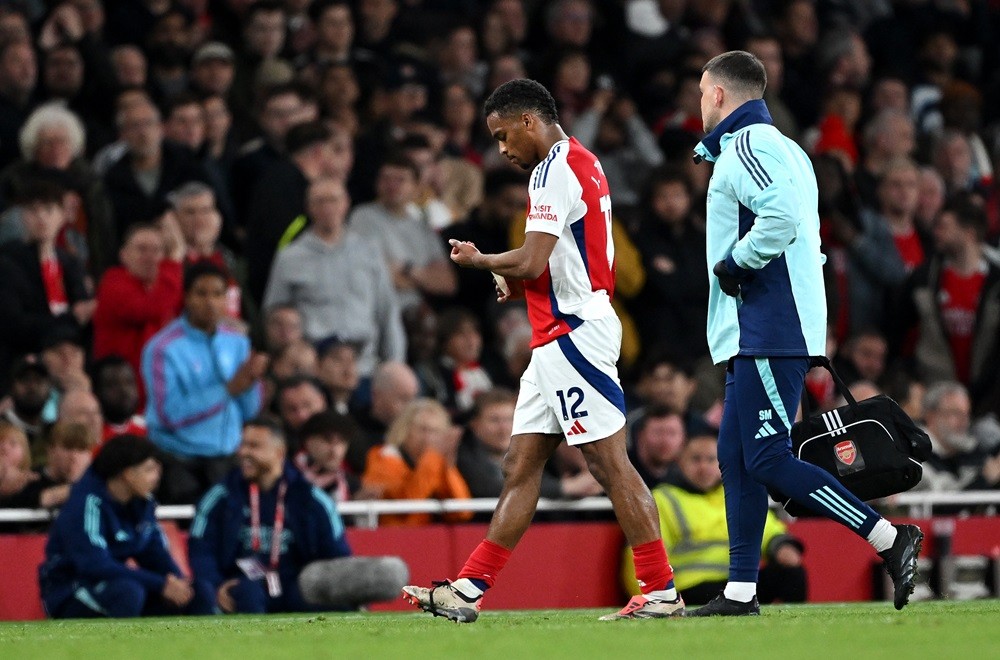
column 852, row 631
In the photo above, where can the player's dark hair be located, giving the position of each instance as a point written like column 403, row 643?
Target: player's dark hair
column 522, row 95
column 203, row 268
column 743, row 72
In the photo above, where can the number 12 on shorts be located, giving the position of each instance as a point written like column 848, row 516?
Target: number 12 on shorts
column 575, row 395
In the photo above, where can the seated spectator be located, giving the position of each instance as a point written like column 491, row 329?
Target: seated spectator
column 298, row 398
column 203, row 382
column 456, row 377
column 338, row 371
column 282, row 327
column 106, row 555
column 64, row 355
column 862, row 357
column 43, row 286
column 30, row 389
column 117, row 392
column 481, row 453
column 418, row 262
column 325, row 439
column 693, row 524
column 297, row 359
column 394, row 387
column 136, row 299
column 657, row 440
column 68, row 446
column 329, row 275
column 52, row 146
column 669, row 382
column 15, row 462
column 80, row 406
column 957, row 463
column 258, row 560
column 417, row 462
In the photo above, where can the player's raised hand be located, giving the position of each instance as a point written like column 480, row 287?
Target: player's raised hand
column 463, row 252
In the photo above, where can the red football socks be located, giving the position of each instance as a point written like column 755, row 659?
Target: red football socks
column 486, row 562
column 652, row 569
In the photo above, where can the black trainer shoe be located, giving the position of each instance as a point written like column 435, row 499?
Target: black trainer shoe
column 722, row 606
column 900, row 562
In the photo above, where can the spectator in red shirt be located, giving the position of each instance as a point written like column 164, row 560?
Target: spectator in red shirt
column 139, row 297
column 955, row 298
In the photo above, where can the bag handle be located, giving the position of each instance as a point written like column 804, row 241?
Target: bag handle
column 823, row 361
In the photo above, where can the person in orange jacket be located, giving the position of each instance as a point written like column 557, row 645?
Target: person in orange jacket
column 417, row 462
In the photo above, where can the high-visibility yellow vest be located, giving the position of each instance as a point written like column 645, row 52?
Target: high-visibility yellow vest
column 695, row 534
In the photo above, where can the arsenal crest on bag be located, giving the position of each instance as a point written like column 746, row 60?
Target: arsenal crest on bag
column 870, row 446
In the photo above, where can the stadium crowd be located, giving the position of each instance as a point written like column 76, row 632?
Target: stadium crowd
column 216, row 209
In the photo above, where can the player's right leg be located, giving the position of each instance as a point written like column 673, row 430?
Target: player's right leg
column 461, row 600
column 536, row 435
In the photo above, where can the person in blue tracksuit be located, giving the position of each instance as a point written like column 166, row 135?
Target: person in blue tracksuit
column 108, row 520
column 766, row 319
column 228, row 551
column 203, row 382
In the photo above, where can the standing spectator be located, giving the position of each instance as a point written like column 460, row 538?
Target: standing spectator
column 203, row 383
column 110, row 519
column 767, row 49
column 955, row 299
column 65, row 356
column 18, row 76
column 117, row 389
column 30, row 389
column 657, row 440
column 887, row 136
column 673, row 306
column 267, row 512
column 612, row 128
column 863, row 357
column 68, row 447
column 417, row 462
column 416, row 258
column 44, row 287
column 338, row 282
column 669, row 382
column 139, row 182
column 52, row 143
column 212, row 69
column 277, row 211
column 135, row 300
column 80, row 406
column 325, row 439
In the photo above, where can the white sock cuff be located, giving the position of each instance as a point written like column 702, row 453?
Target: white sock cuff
column 742, row 592
column 882, row 536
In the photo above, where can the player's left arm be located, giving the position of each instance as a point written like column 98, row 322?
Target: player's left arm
column 767, row 187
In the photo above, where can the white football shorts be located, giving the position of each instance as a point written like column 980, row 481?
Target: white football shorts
column 571, row 385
